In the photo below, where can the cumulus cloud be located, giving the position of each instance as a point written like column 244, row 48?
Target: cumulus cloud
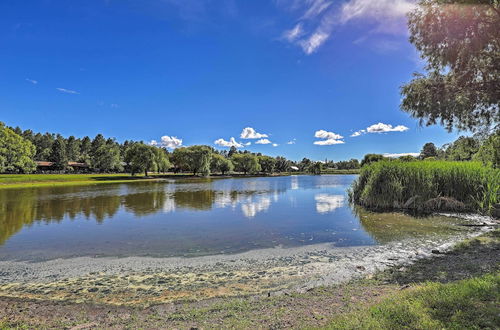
column 383, row 128
column 34, row 82
column 275, row 144
column 170, row 142
column 330, row 138
column 67, row 91
column 321, row 17
column 228, row 144
column 380, row 128
column 414, row 154
column 292, row 141
column 263, row 141
column 250, row 133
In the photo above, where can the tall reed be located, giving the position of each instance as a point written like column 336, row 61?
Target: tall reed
column 426, row 186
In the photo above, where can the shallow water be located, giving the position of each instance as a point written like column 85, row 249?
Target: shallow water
column 195, row 217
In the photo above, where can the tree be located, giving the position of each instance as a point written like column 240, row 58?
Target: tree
column 220, row 164
column 58, row 154
column 489, row 152
column 232, row 151
column 85, row 151
column 141, row 158
column 371, row 158
column 267, row 164
column 428, row 150
column 161, row 159
column 246, row 163
column 408, row 158
column 16, row 153
column 304, row 164
column 106, row 158
column 73, row 148
column 195, row 159
column 282, row 164
column 316, row 168
column 460, row 40
column 463, row 149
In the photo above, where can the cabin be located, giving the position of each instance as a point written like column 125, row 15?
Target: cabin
column 44, row 167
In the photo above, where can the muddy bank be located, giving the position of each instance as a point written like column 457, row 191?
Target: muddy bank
column 143, row 281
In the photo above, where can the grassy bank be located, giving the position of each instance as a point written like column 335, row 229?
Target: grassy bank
column 458, row 289
column 40, row 180
column 426, row 186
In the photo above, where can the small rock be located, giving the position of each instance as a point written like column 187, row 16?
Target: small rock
column 436, row 251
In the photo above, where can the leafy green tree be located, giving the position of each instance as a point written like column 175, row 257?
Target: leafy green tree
column 220, row 164
column 460, row 41
column 232, row 151
column 267, row 164
column 316, row 168
column 43, row 144
column 16, row 153
column 106, row 158
column 428, row 150
column 371, row 158
column 141, row 158
column 463, row 149
column 246, row 163
column 408, row 158
column 489, row 152
column 347, row 164
column 282, row 164
column 304, row 164
column 161, row 159
column 58, row 154
column 199, row 159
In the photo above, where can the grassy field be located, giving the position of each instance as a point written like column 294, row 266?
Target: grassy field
column 426, row 186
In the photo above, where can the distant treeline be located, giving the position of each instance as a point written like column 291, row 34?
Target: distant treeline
column 21, row 150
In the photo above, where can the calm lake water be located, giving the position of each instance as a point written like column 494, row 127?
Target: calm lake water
column 194, row 217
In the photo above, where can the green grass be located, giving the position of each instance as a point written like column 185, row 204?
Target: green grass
column 427, row 186
column 40, row 180
column 467, row 304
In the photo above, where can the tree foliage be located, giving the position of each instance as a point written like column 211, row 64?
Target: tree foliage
column 460, row 41
column 371, row 158
column 267, row 164
column 428, row 150
column 246, row 163
column 16, row 153
column 220, row 164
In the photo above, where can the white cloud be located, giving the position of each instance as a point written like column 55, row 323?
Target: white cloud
column 34, row 82
column 231, row 143
column 263, row 141
column 170, row 142
column 328, row 142
column 294, row 33
column 322, row 134
column 383, row 128
column 275, row 144
column 251, row 208
column 250, row 133
column 358, row 133
column 68, row 91
column 414, row 154
column 318, row 18
column 292, row 141
column 248, row 143
column 380, row 10
column 114, row 105
column 330, row 138
column 380, row 128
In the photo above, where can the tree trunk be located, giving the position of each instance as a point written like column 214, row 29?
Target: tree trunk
column 146, row 172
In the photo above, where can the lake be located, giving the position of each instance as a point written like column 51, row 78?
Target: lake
column 192, row 217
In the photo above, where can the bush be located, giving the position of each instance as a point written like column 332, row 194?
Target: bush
column 427, row 186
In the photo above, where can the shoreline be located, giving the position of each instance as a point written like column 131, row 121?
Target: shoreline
column 54, row 180
column 145, row 281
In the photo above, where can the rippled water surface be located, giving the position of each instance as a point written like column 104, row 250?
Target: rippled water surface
column 192, row 217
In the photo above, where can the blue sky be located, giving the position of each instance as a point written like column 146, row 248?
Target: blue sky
column 303, row 75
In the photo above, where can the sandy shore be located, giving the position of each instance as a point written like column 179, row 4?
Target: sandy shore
column 146, row 280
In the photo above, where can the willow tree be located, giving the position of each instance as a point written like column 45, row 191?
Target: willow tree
column 460, row 41
column 16, row 153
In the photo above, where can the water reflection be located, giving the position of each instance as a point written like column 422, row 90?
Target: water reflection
column 326, row 203
column 188, row 217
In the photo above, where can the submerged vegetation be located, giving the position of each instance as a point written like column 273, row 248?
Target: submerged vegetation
column 426, row 186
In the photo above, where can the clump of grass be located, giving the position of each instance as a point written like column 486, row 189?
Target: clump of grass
column 467, row 304
column 426, row 186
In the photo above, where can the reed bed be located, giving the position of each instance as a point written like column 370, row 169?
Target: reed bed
column 427, row 186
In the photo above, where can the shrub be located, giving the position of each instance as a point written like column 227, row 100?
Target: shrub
column 427, row 186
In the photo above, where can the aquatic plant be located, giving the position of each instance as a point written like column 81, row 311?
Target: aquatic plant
column 426, row 186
